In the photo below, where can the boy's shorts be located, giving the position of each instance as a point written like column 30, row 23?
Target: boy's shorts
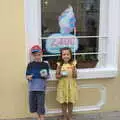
column 37, row 102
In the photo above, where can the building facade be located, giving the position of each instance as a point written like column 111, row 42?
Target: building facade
column 22, row 26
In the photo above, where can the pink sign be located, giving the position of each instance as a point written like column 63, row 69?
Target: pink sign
column 57, row 41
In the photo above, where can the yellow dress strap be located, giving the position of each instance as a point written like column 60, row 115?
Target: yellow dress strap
column 74, row 63
column 58, row 63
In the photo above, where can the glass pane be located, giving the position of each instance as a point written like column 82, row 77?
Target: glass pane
column 87, row 23
column 86, row 13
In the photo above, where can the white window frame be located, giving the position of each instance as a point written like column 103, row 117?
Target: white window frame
column 108, row 28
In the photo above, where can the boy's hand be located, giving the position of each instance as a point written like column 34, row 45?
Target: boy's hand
column 29, row 77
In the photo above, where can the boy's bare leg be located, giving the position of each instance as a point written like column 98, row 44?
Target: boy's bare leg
column 70, row 109
column 42, row 117
column 64, row 110
column 35, row 116
column 38, row 117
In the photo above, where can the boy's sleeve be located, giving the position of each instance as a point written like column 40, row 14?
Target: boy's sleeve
column 28, row 70
column 48, row 69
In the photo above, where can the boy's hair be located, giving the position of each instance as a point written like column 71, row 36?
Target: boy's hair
column 60, row 58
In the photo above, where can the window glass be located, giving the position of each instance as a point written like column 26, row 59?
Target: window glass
column 87, row 24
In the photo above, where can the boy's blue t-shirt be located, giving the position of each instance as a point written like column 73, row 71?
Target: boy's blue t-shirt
column 38, row 83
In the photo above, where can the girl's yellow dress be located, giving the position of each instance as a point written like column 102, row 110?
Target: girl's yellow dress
column 67, row 86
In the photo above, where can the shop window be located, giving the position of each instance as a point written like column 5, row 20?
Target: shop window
column 87, row 28
column 97, row 30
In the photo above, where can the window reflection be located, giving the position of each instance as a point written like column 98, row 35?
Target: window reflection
column 87, row 23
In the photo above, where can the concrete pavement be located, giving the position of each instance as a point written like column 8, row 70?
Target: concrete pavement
column 114, row 115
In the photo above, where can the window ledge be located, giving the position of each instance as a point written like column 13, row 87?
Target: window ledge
column 91, row 73
column 97, row 73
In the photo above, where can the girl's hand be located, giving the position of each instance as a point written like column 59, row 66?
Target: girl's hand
column 29, row 77
column 58, row 71
column 58, row 76
column 74, row 72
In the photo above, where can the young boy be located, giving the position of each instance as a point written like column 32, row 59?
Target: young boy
column 37, row 72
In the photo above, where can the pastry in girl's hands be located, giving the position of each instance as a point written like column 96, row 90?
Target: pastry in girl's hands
column 64, row 73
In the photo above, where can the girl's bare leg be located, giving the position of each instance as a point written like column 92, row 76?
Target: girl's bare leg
column 70, row 109
column 64, row 110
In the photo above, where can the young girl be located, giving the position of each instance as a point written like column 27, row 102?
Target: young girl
column 67, row 87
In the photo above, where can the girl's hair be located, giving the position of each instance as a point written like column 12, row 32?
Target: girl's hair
column 61, row 60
